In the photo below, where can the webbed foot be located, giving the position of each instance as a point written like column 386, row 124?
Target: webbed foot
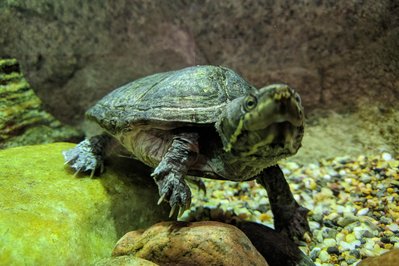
column 289, row 217
column 172, row 188
column 87, row 155
column 294, row 223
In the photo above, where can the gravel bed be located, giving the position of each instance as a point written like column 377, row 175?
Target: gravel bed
column 354, row 205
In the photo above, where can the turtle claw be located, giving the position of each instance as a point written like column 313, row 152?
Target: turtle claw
column 172, row 210
column 92, row 173
column 161, row 199
column 76, row 173
column 173, row 188
column 182, row 210
column 83, row 158
column 197, row 182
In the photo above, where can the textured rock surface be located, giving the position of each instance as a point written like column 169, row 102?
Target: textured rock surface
column 336, row 53
column 199, row 243
column 125, row 261
column 390, row 258
column 22, row 118
column 49, row 217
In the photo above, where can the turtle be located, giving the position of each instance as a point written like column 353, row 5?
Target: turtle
column 202, row 121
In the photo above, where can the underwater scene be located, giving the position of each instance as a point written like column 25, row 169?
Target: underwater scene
column 237, row 132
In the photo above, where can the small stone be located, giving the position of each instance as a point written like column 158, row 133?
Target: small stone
column 350, row 237
column 324, row 256
column 370, row 222
column 310, row 183
column 342, row 172
column 368, row 247
column 291, row 166
column 314, row 253
column 329, row 242
column 318, row 235
column 318, row 217
column 394, row 239
column 358, row 232
column 343, row 159
column 332, row 217
column 351, row 260
column 385, row 220
column 339, row 237
column 393, row 227
column 355, row 253
column 348, row 219
column 385, row 239
column 350, row 246
column 265, row 217
column 333, row 250
column 313, row 225
column 365, row 178
column 329, row 223
column 386, row 156
column 388, row 246
column 363, row 211
column 329, row 232
column 363, row 230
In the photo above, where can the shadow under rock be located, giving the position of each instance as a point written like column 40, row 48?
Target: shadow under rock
column 277, row 249
column 134, row 197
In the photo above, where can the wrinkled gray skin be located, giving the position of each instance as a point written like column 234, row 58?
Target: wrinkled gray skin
column 202, row 121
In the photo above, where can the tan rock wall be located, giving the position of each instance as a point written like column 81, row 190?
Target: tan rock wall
column 334, row 52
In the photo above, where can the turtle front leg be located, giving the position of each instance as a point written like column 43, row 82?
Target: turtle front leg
column 169, row 174
column 289, row 217
column 88, row 155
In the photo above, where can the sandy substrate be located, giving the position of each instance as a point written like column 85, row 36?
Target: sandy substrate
column 367, row 131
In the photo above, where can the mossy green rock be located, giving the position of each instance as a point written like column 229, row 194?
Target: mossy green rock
column 50, row 217
column 23, row 121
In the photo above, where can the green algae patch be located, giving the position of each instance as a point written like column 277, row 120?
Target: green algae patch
column 23, row 121
column 50, row 217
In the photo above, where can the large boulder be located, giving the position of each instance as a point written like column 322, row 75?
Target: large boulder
column 390, row 258
column 50, row 217
column 197, row 243
column 337, row 53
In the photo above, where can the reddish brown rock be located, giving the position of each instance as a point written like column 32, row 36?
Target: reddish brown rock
column 391, row 258
column 199, row 243
column 125, row 261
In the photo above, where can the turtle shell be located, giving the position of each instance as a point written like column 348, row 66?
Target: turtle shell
column 193, row 95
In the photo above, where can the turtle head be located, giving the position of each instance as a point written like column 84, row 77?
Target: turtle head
column 266, row 123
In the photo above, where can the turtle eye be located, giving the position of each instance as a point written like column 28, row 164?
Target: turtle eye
column 250, row 103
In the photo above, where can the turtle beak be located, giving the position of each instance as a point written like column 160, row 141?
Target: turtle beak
column 277, row 103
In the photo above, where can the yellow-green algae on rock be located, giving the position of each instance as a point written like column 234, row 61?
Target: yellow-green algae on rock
column 23, row 121
column 50, row 217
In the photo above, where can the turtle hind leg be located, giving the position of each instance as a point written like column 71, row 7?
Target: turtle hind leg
column 88, row 155
column 289, row 217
